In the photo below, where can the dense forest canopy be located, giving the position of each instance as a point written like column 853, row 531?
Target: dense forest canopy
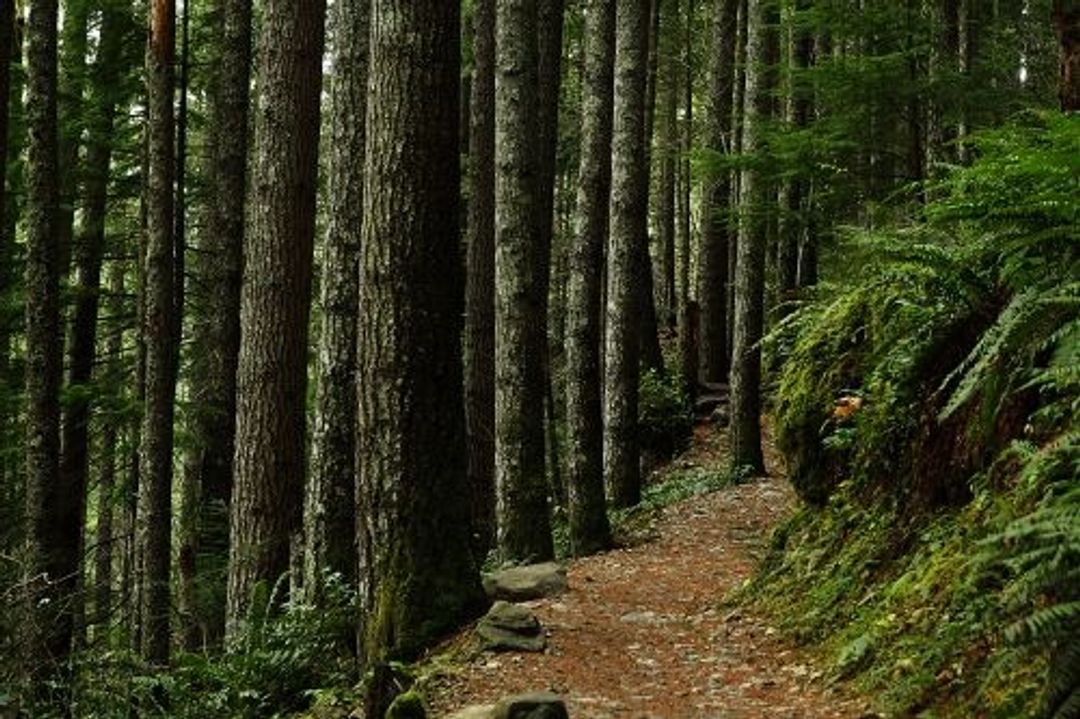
column 316, row 315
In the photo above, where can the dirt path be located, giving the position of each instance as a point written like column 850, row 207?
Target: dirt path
column 640, row 634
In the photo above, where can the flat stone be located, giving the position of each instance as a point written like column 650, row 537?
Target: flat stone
column 512, row 617
column 520, row 584
column 510, row 628
column 477, row 711
column 541, row 705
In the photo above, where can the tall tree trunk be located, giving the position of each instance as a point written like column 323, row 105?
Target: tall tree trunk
column 669, row 165
column 797, row 110
column 87, row 252
column 716, row 234
column 689, row 316
column 329, row 519
column 71, row 107
column 627, row 235
column 524, row 530
column 738, row 108
column 417, row 574
column 275, row 304
column 1067, row 27
column 648, row 334
column 51, row 569
column 480, row 282
column 7, row 243
column 155, row 454
column 549, row 32
column 105, row 530
column 750, row 266
column 589, row 529
column 216, row 328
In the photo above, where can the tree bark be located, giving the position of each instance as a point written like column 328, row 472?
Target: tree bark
column 750, row 266
column 589, row 529
column 524, row 530
column 155, row 454
column 71, row 107
column 274, row 308
column 480, row 283
column 716, row 233
column 689, row 314
column 669, row 166
column 798, row 108
column 9, row 55
column 87, row 252
column 627, row 235
column 51, row 570
column 1067, row 28
column 418, row 579
column 216, row 326
column 329, row 519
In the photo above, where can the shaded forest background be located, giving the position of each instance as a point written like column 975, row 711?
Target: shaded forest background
column 308, row 314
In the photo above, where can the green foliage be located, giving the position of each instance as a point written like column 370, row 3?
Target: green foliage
column 928, row 408
column 665, row 417
column 275, row 670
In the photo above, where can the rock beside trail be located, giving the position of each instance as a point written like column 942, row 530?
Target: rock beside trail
column 541, row 705
column 521, row 584
column 509, row 627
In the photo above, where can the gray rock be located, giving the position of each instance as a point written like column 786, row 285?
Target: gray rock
column 509, row 627
column 520, row 584
column 541, row 705
column 478, row 711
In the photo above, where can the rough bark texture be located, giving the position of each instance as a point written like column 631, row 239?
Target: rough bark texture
column 106, row 535
column 480, row 282
column 329, row 512
column 524, row 530
column 689, row 314
column 798, row 108
column 1067, row 27
column 216, row 323
column 648, row 334
column 50, row 578
column 627, row 234
column 71, row 107
column 417, row 574
column 750, row 266
column 87, row 251
column 716, row 234
column 274, row 306
column 589, row 530
column 669, row 164
column 156, row 448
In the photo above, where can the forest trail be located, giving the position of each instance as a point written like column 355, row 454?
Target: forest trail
column 641, row 631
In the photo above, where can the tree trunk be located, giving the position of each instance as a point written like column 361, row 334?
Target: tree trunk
column 480, row 283
column 274, row 308
column 750, row 266
column 216, row 328
column 329, row 519
column 8, row 57
column 51, row 569
column 524, row 530
column 589, row 529
column 87, row 251
column 689, row 314
column 628, row 234
column 716, row 234
column 155, row 454
column 798, row 108
column 648, row 334
column 106, row 534
column 669, row 165
column 1067, row 27
column 71, row 107
column 418, row 579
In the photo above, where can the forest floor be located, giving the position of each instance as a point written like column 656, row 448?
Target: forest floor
column 643, row 630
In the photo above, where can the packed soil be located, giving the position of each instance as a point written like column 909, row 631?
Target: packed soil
column 642, row 630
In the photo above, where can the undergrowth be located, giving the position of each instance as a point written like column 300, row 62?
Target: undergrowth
column 928, row 410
